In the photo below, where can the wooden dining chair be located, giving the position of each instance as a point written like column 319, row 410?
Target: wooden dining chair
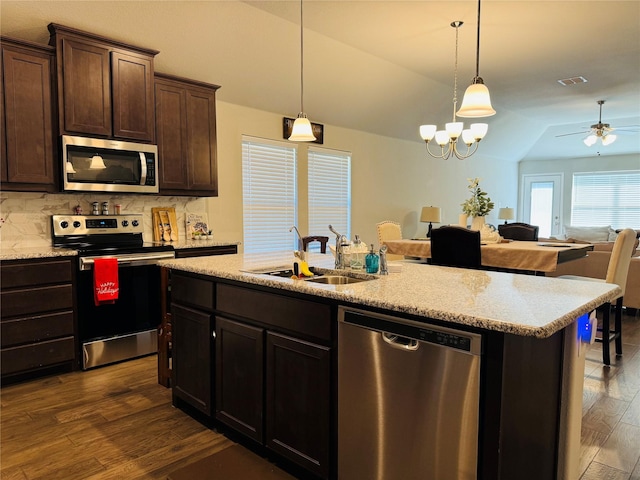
column 453, row 246
column 518, row 231
column 388, row 230
column 617, row 273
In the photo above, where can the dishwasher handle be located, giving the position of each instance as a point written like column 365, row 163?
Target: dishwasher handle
column 402, row 343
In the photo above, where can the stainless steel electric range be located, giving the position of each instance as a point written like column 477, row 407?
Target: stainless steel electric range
column 126, row 329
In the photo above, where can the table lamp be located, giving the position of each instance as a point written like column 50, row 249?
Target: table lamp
column 430, row 214
column 506, row 214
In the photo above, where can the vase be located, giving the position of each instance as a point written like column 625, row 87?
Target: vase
column 477, row 223
column 462, row 220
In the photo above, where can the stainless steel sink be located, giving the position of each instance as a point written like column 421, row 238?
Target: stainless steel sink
column 336, row 279
column 326, row 277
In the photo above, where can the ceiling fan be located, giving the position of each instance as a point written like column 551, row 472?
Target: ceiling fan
column 602, row 131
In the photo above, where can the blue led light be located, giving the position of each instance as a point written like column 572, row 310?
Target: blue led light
column 584, row 328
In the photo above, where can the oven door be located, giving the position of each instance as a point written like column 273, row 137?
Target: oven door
column 123, row 330
column 100, row 165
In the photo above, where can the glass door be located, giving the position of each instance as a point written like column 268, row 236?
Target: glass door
column 542, row 202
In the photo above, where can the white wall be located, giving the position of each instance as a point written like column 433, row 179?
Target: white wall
column 575, row 165
column 391, row 179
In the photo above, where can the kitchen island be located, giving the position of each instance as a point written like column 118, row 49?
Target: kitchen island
column 532, row 361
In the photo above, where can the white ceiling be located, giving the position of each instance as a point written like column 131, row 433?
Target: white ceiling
column 386, row 66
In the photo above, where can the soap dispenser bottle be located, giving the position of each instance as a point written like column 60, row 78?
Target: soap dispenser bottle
column 358, row 252
column 372, row 261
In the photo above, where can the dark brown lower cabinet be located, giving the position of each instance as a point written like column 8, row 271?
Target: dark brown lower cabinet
column 38, row 323
column 193, row 358
column 165, row 329
column 293, row 420
column 192, row 334
column 239, row 377
column 297, row 401
column 273, row 356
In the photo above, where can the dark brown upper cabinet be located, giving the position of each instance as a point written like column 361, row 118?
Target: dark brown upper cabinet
column 105, row 87
column 186, row 136
column 27, row 117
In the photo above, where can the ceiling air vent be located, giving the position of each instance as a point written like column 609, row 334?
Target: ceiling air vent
column 572, row 81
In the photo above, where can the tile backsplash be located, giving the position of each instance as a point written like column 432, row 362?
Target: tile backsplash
column 25, row 218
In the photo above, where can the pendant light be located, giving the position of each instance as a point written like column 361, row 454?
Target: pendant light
column 476, row 102
column 301, row 131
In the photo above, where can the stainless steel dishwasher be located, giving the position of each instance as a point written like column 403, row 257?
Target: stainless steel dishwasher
column 408, row 399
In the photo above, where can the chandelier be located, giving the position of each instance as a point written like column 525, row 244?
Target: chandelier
column 447, row 139
column 302, row 131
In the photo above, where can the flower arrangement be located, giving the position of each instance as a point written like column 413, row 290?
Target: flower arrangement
column 479, row 204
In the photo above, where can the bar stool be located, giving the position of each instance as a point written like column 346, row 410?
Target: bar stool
column 617, row 273
column 305, row 241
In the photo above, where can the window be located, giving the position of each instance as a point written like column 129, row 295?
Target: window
column 269, row 195
column 329, row 187
column 606, row 198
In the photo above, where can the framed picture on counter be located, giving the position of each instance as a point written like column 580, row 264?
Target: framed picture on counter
column 197, row 225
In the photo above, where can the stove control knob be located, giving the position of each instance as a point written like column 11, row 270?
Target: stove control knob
column 125, row 223
column 76, row 224
column 135, row 223
column 64, row 224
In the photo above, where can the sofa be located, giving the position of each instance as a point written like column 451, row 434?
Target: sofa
column 595, row 264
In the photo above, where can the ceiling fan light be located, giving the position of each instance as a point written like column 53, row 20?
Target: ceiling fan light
column 476, row 102
column 590, row 140
column 609, row 139
column 479, row 130
column 442, row 137
column 427, row 132
column 454, row 129
column 302, row 131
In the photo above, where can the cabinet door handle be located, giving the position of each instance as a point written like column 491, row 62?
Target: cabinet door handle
column 213, row 334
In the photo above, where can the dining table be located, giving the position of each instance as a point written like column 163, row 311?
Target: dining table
column 512, row 255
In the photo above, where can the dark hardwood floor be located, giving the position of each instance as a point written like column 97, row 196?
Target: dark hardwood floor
column 116, row 422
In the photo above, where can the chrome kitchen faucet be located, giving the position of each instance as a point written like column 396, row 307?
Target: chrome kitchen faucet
column 341, row 242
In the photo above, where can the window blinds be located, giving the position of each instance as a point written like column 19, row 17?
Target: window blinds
column 606, row 198
column 269, row 195
column 329, row 186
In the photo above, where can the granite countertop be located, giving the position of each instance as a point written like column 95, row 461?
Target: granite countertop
column 523, row 305
column 24, row 253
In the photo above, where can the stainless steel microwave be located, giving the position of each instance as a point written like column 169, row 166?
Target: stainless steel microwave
column 102, row 165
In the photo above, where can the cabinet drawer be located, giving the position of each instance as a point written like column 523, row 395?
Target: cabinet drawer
column 192, row 291
column 40, row 273
column 37, row 355
column 36, row 328
column 34, row 300
column 290, row 314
